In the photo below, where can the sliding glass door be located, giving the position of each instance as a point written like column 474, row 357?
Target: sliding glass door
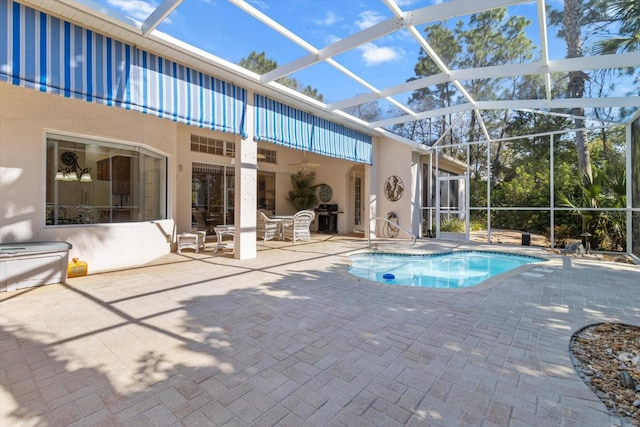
column 212, row 196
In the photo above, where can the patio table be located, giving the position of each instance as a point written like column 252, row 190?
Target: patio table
column 281, row 221
column 221, row 231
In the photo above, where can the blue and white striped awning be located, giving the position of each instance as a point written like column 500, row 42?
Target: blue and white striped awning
column 55, row 56
column 287, row 126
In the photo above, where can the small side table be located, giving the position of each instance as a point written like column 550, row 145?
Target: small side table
column 194, row 240
column 221, row 231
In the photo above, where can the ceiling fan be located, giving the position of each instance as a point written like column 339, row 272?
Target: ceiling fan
column 305, row 163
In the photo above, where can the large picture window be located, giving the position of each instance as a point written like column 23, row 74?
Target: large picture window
column 90, row 181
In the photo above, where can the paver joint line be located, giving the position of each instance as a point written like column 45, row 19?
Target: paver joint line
column 299, row 341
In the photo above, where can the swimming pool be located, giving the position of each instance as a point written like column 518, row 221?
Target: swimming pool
column 459, row 269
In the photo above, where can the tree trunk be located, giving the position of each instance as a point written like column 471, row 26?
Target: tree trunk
column 572, row 13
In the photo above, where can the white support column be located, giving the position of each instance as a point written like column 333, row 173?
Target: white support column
column 428, row 204
column 246, row 179
column 416, row 194
column 371, row 188
column 629, row 167
column 437, row 178
column 552, row 192
column 488, row 192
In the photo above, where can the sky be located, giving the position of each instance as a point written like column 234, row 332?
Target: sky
column 219, row 27
column 223, row 29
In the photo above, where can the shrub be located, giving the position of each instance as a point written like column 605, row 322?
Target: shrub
column 453, row 225
column 564, row 234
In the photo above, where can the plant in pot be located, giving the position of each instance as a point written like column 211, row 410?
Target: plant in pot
column 303, row 196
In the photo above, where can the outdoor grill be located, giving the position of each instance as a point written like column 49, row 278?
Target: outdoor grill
column 327, row 218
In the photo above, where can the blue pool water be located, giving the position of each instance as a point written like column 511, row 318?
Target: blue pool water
column 445, row 270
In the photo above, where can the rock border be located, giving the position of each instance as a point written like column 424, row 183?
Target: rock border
column 607, row 357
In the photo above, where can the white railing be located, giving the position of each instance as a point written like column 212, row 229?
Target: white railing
column 393, row 224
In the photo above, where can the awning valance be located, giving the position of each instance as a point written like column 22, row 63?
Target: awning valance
column 287, row 126
column 55, row 56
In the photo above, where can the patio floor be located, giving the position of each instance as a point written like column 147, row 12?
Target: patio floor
column 291, row 338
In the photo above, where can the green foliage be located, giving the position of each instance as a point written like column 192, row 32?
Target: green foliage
column 627, row 13
column 489, row 38
column 605, row 190
column 526, row 188
column 453, row 225
column 303, row 196
column 563, row 234
column 476, row 226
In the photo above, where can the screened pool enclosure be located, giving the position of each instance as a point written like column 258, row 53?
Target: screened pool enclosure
column 602, row 211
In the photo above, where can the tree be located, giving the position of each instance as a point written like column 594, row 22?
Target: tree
column 576, row 17
column 627, row 14
column 624, row 15
column 369, row 111
column 260, row 64
column 575, row 89
column 443, row 40
column 490, row 38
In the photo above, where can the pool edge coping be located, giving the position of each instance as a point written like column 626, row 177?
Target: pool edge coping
column 485, row 284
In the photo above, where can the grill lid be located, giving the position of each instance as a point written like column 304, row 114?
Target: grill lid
column 327, row 208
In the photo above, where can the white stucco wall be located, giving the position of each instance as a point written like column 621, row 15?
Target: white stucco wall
column 394, row 158
column 25, row 117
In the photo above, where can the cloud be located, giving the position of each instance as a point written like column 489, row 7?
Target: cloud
column 331, row 39
column 329, row 19
column 136, row 9
column 374, row 55
column 260, row 4
column 405, row 3
column 369, row 18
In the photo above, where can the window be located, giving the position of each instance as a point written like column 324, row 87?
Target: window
column 267, row 191
column 357, row 190
column 202, row 144
column 90, row 181
column 267, row 156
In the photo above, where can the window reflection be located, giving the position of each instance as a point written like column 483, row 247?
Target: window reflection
column 90, row 181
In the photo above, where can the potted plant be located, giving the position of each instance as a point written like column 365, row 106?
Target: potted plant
column 303, row 196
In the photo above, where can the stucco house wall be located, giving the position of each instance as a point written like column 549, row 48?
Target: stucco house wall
column 25, row 117
column 393, row 159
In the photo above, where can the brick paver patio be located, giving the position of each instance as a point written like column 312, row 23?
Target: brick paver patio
column 291, row 338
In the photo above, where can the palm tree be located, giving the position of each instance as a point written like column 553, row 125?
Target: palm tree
column 602, row 191
column 627, row 14
column 573, row 37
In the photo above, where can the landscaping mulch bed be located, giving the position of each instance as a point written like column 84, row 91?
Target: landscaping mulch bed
column 607, row 357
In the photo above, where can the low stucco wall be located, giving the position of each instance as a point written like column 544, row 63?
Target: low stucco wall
column 24, row 123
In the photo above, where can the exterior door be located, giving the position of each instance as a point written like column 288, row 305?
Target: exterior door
column 452, row 219
column 212, row 196
column 357, row 201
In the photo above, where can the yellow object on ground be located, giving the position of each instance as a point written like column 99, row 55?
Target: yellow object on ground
column 77, row 268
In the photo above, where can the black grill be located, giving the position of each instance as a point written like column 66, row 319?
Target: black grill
column 327, row 218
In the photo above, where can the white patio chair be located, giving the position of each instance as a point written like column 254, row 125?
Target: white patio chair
column 299, row 227
column 266, row 228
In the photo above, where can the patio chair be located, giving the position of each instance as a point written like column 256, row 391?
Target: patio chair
column 85, row 214
column 199, row 221
column 266, row 228
column 299, row 227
